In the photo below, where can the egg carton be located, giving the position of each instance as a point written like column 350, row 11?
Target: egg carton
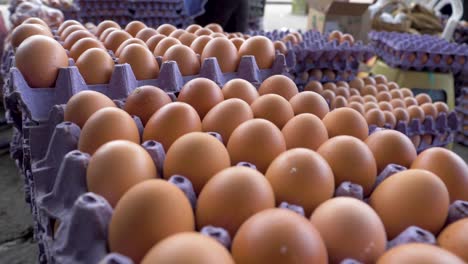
column 157, row 5
column 147, row 13
column 420, row 52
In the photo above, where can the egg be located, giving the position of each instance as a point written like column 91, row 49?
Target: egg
column 280, row 47
column 385, row 106
column 278, row 236
column 35, row 20
column 257, row 141
column 343, row 91
column 302, row 177
column 358, row 107
column 384, row 96
column 418, row 253
column 240, row 88
column 188, row 247
column 274, row 108
column 346, row 121
column 290, row 38
column 83, row 45
column 450, row 167
column 203, row 32
column 105, row 25
column 429, row 110
column 165, row 29
column 335, row 35
column 164, row 45
column 83, row 104
column 406, row 92
column 75, row 36
column 369, row 98
column 128, row 42
column 280, row 85
column 231, row 196
column 396, row 94
column 170, row 122
column 394, row 85
column 397, row 103
column 186, row 59
column 218, row 35
column 198, row 157
column 401, row 115
column 375, row 117
column 66, row 24
column 330, row 86
column 370, row 105
column 24, row 31
column 357, row 83
column 453, row 238
column 356, row 98
column 117, row 166
column 316, row 74
column 353, row 91
column 390, row 119
column 134, row 27
column 350, row 160
column 96, row 66
column 369, row 90
column 441, row 107
column 389, row 146
column 177, row 33
column 339, row 102
column 48, row 57
column 314, row 86
column 201, row 93
column 225, row 53
column 69, row 30
column 106, row 32
column 380, row 79
column 146, row 33
column 261, row 48
column 215, row 27
column 369, row 80
column 415, row 112
column 382, row 88
column 199, row 44
column 350, row 229
column 192, row 28
column 115, row 38
column 296, row 132
column 187, row 39
column 146, row 100
column 423, row 98
column 153, row 41
column 409, row 101
column 132, row 228
column 215, row 120
column 107, row 124
column 411, row 197
column 143, row 63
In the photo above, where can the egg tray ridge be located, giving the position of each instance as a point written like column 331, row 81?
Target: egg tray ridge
column 397, row 49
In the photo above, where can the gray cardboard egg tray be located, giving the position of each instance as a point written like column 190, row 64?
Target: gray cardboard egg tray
column 396, row 49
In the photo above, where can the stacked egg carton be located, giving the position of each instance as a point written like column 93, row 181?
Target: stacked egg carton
column 96, row 11
column 420, row 52
column 462, row 110
column 155, row 13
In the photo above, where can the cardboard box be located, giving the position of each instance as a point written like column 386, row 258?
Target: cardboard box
column 347, row 16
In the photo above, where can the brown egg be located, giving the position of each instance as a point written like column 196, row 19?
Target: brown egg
column 298, row 36
column 415, row 112
column 96, row 66
column 132, row 228
column 188, row 247
column 396, row 94
column 134, row 27
column 35, row 20
column 358, row 107
column 153, row 41
column 393, row 86
column 48, row 57
column 144, row 101
column 199, row 44
column 453, row 238
column 240, row 88
column 166, row 29
column 369, row 90
column 224, row 51
column 357, row 83
column 339, row 102
column 380, row 79
column 401, row 114
column 107, row 124
column 238, row 42
column 335, row 34
column 314, row 86
column 146, row 34
column 215, row 27
column 70, row 30
column 218, row 35
column 316, row 74
column 187, row 38
column 75, row 36
column 346, row 121
column 261, row 48
column 66, row 24
column 143, row 63
column 342, row 84
column 170, row 122
column 385, row 106
column 115, row 38
column 390, row 119
column 257, row 141
column 352, row 225
column 347, row 38
column 164, row 45
column 343, row 91
column 370, row 105
column 369, row 80
column 185, row 57
column 177, row 33
column 105, row 25
column 280, row 46
column 356, row 98
column 24, row 31
column 429, row 110
column 290, row 38
column 106, row 32
column 83, row 45
column 406, row 92
column 197, row 156
column 192, row 28
column 353, row 91
column 418, row 253
column 203, row 32
column 375, row 117
column 273, row 108
column 423, row 98
column 450, row 167
column 302, row 177
column 117, row 166
column 409, row 101
column 382, row 88
column 277, row 236
column 280, row 85
column 231, row 197
column 370, row 98
column 397, row 103
column 128, row 42
column 296, row 132
column 441, row 107
column 411, row 197
column 83, row 104
column 202, row 94
column 330, row 86
column 309, row 102
column 391, row 146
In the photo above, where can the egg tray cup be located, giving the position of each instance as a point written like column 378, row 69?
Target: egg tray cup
column 410, row 52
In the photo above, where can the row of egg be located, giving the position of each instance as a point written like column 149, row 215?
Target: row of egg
column 136, row 45
column 301, row 164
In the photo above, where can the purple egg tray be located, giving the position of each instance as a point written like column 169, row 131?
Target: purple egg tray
column 420, row 52
column 462, row 111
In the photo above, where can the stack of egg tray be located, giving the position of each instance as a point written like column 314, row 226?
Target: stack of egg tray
column 95, row 11
column 462, row 110
column 420, row 52
column 43, row 148
column 155, row 13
